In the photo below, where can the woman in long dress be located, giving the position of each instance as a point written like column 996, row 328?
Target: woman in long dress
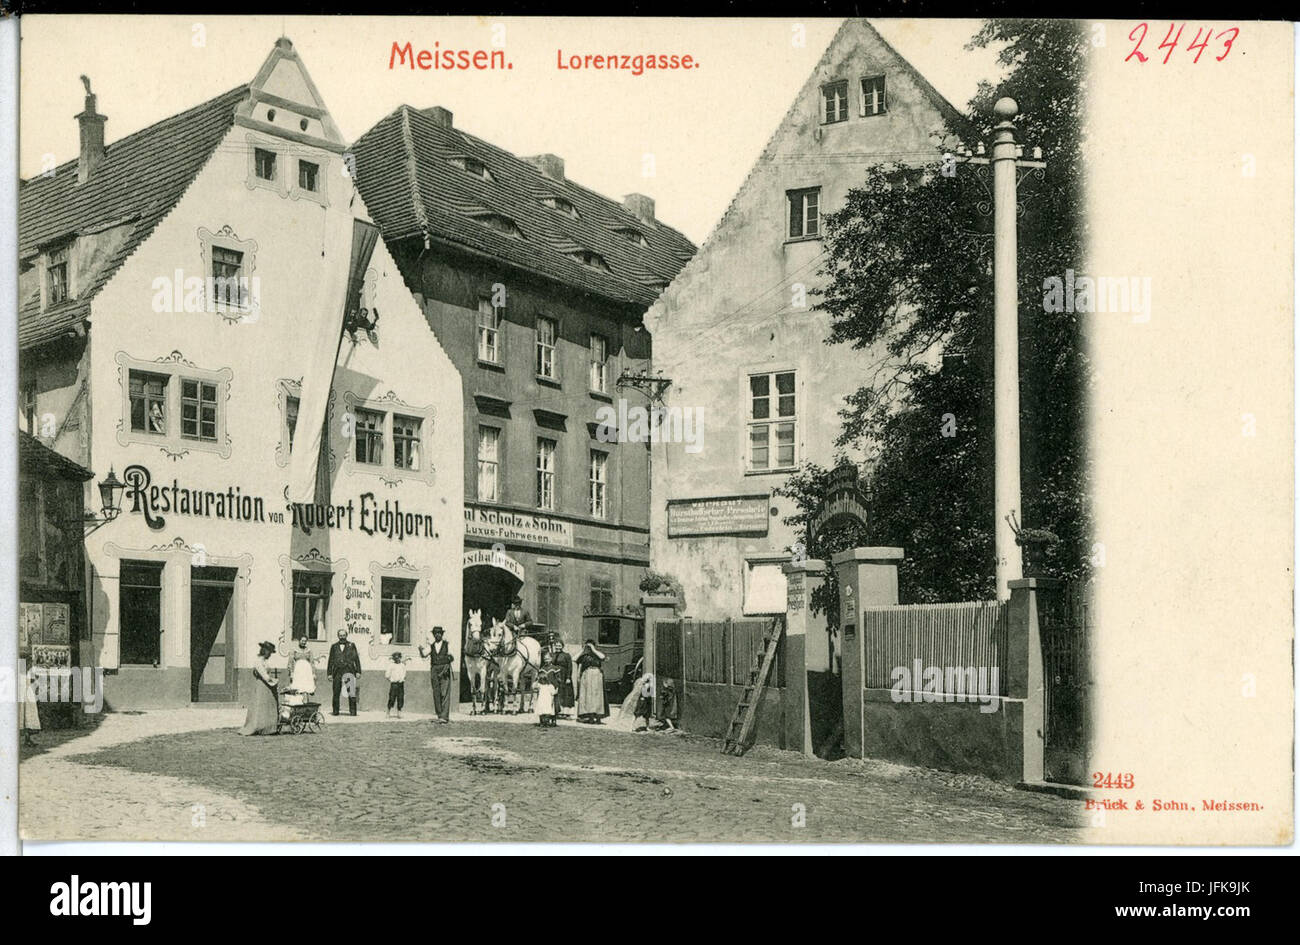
column 591, row 685
column 263, row 707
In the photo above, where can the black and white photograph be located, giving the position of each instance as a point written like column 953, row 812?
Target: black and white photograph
column 750, row 431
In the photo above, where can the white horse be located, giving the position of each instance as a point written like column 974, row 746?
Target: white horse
column 477, row 663
column 513, row 653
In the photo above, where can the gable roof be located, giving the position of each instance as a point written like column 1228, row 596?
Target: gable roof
column 139, row 181
column 412, row 189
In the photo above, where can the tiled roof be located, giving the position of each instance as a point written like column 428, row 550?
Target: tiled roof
column 37, row 458
column 411, row 188
column 140, row 179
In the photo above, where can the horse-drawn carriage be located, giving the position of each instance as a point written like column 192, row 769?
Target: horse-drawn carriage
column 502, row 664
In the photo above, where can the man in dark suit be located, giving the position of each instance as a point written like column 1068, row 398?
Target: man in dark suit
column 440, row 676
column 344, row 667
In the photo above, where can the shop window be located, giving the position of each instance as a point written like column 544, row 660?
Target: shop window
column 395, row 599
column 140, row 612
column 489, row 463
column 311, row 597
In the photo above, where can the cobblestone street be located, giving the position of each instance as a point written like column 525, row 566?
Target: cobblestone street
column 186, row 775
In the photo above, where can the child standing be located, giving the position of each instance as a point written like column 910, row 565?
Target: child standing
column 546, row 691
column 396, row 674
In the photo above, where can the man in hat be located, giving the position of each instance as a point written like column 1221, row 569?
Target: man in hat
column 344, row 669
column 440, row 676
column 518, row 619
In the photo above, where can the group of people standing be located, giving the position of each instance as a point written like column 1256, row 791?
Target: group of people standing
column 556, row 691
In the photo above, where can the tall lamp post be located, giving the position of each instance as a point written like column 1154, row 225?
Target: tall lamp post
column 1006, row 163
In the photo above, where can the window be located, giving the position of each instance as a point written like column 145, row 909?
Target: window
column 198, row 410
column 771, row 421
column 548, row 605
column 28, row 396
column 609, row 631
column 545, row 474
column 370, row 437
column 562, row 205
column 804, row 221
column 599, row 364
column 311, row 599
column 489, row 463
column 149, row 402
column 873, row 95
column 291, row 405
column 632, row 236
column 502, row 224
column 406, row 442
column 264, row 163
column 139, row 596
column 546, row 332
column 56, row 276
column 602, row 600
column 227, row 269
column 596, row 483
column 473, row 166
column 588, row 258
column 308, row 176
column 395, row 596
column 835, row 99
column 488, row 327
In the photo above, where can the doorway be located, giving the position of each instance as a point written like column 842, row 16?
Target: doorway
column 489, row 589
column 213, row 634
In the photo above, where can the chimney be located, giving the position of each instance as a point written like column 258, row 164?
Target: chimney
column 441, row 117
column 92, row 137
column 552, row 165
column 640, row 206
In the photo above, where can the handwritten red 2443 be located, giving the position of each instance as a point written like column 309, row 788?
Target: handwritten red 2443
column 1139, row 34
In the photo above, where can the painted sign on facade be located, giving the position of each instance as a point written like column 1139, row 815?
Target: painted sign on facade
column 723, row 515
column 500, row 525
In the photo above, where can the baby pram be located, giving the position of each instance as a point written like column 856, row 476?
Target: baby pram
column 297, row 714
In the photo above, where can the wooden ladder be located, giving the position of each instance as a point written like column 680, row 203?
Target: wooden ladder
column 742, row 722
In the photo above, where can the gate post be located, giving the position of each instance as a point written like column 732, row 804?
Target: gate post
column 868, row 577
column 806, row 648
column 1024, row 669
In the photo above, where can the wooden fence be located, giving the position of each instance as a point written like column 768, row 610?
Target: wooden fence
column 967, row 634
column 714, row 651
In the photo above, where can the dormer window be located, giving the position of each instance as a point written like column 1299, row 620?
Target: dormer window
column 588, row 258
column 632, row 236
column 562, row 205
column 473, row 166
column 56, row 276
column 835, row 101
column 502, row 224
column 264, row 163
column 873, row 95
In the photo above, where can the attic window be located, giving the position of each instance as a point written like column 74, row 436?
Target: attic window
column 835, row 101
column 56, row 276
column 632, row 236
column 502, row 224
column 873, row 95
column 588, row 258
column 473, row 166
column 264, row 163
column 562, row 205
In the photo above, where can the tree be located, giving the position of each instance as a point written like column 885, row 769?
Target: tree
column 909, row 267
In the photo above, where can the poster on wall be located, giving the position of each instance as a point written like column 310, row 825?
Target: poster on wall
column 47, row 655
column 55, row 630
column 30, row 618
column 722, row 515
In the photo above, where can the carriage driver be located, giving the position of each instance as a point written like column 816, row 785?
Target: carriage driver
column 518, row 619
